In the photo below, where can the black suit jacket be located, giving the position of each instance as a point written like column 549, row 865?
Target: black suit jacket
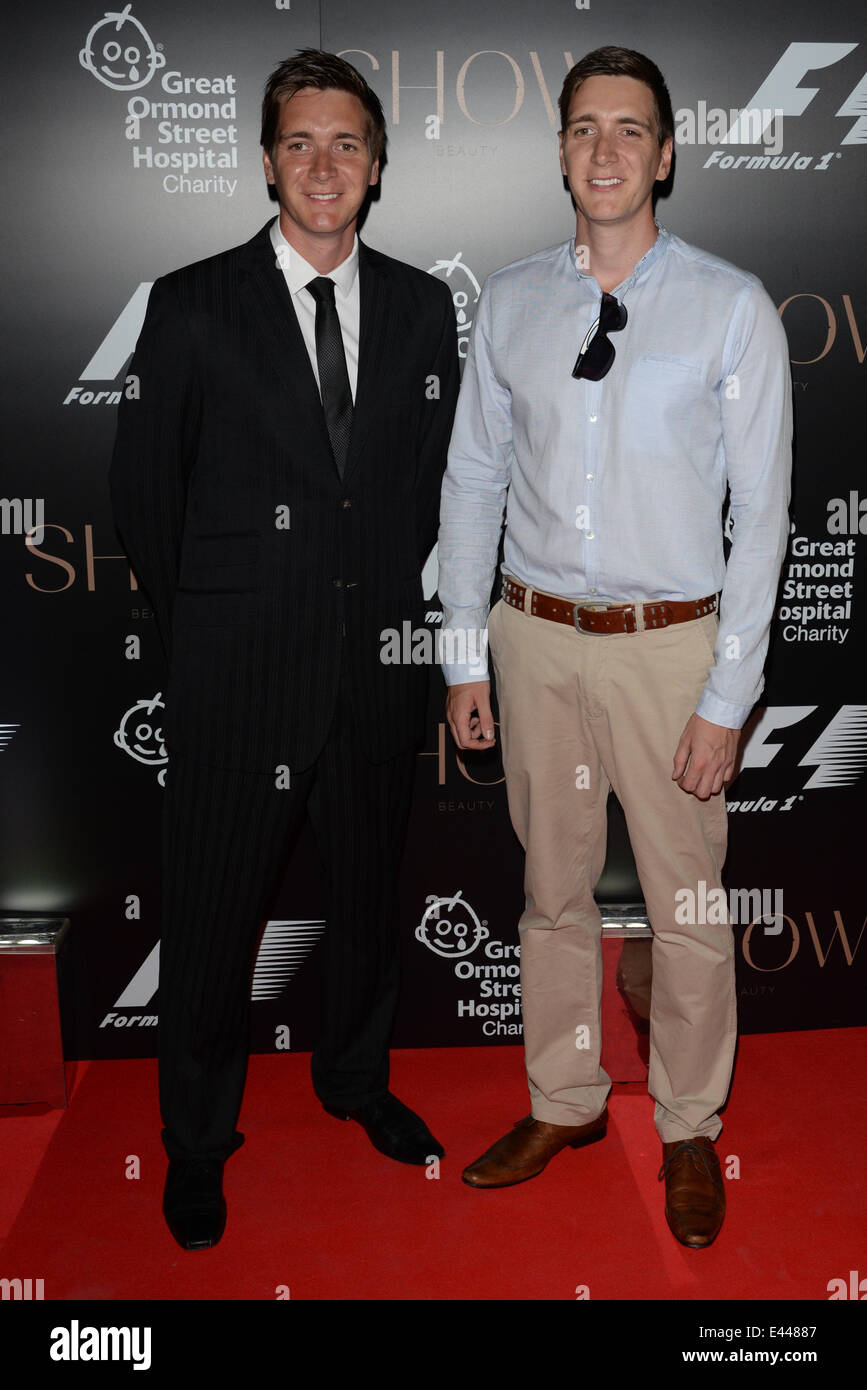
column 266, row 572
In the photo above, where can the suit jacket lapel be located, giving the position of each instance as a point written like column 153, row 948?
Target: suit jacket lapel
column 264, row 292
column 267, row 299
column 376, row 332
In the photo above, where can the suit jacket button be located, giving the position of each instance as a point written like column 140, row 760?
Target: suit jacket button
column 346, row 503
column 337, row 583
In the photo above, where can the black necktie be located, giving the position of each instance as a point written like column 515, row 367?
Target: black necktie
column 333, row 376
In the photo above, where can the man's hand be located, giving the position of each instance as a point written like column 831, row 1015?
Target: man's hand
column 468, row 711
column 705, row 757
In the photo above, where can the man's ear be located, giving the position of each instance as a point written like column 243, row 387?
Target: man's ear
column 665, row 155
column 374, row 173
column 560, row 146
column 269, row 168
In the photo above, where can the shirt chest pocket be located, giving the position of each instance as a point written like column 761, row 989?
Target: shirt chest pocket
column 666, row 393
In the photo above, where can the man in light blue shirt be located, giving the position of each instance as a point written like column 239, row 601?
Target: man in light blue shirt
column 615, row 386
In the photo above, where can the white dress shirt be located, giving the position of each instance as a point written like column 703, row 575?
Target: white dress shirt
column 298, row 274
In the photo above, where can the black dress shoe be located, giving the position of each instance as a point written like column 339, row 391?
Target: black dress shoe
column 193, row 1202
column 393, row 1129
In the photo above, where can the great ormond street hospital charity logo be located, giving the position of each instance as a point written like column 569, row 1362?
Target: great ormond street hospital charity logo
column 141, row 736
column 450, row 928
column 120, row 52
column 465, row 290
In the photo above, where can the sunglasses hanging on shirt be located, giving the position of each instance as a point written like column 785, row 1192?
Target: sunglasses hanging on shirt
column 594, row 361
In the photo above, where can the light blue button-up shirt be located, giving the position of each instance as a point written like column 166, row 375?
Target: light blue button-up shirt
column 615, row 488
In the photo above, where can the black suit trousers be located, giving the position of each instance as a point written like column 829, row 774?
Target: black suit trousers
column 225, row 839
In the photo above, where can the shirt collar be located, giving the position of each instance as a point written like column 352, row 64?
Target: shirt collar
column 642, row 268
column 299, row 272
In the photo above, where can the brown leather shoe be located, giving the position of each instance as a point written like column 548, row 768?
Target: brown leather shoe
column 525, row 1150
column 695, row 1199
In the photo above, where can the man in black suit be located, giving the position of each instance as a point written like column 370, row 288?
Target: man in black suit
column 276, row 484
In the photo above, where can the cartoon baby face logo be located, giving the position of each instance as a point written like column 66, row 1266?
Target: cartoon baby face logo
column 465, row 290
column 450, row 927
column 141, row 736
column 120, row 52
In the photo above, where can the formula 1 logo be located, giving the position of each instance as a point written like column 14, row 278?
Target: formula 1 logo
column 781, row 92
column 7, row 733
column 120, row 52
column 430, row 575
column 283, row 949
column 115, row 349
column 450, row 927
column 839, row 754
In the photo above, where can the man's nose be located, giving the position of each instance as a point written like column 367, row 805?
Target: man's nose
column 323, row 164
column 604, row 148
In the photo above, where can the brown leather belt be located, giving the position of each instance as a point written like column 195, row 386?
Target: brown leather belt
column 608, row 618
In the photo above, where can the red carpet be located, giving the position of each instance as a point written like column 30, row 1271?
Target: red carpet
column 313, row 1207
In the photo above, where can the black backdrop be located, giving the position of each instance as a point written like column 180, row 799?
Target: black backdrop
column 128, row 160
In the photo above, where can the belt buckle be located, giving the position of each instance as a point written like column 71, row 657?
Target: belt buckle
column 594, row 608
column 637, row 616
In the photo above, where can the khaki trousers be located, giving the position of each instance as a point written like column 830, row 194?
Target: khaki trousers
column 581, row 713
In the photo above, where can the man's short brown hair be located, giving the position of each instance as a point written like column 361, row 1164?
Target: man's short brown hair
column 313, row 67
column 621, row 62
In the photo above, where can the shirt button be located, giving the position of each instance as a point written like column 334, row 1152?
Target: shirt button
column 589, row 535
column 593, row 589
column 593, row 419
column 590, row 477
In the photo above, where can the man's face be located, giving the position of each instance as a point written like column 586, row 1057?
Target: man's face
column 322, row 167
column 609, row 150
